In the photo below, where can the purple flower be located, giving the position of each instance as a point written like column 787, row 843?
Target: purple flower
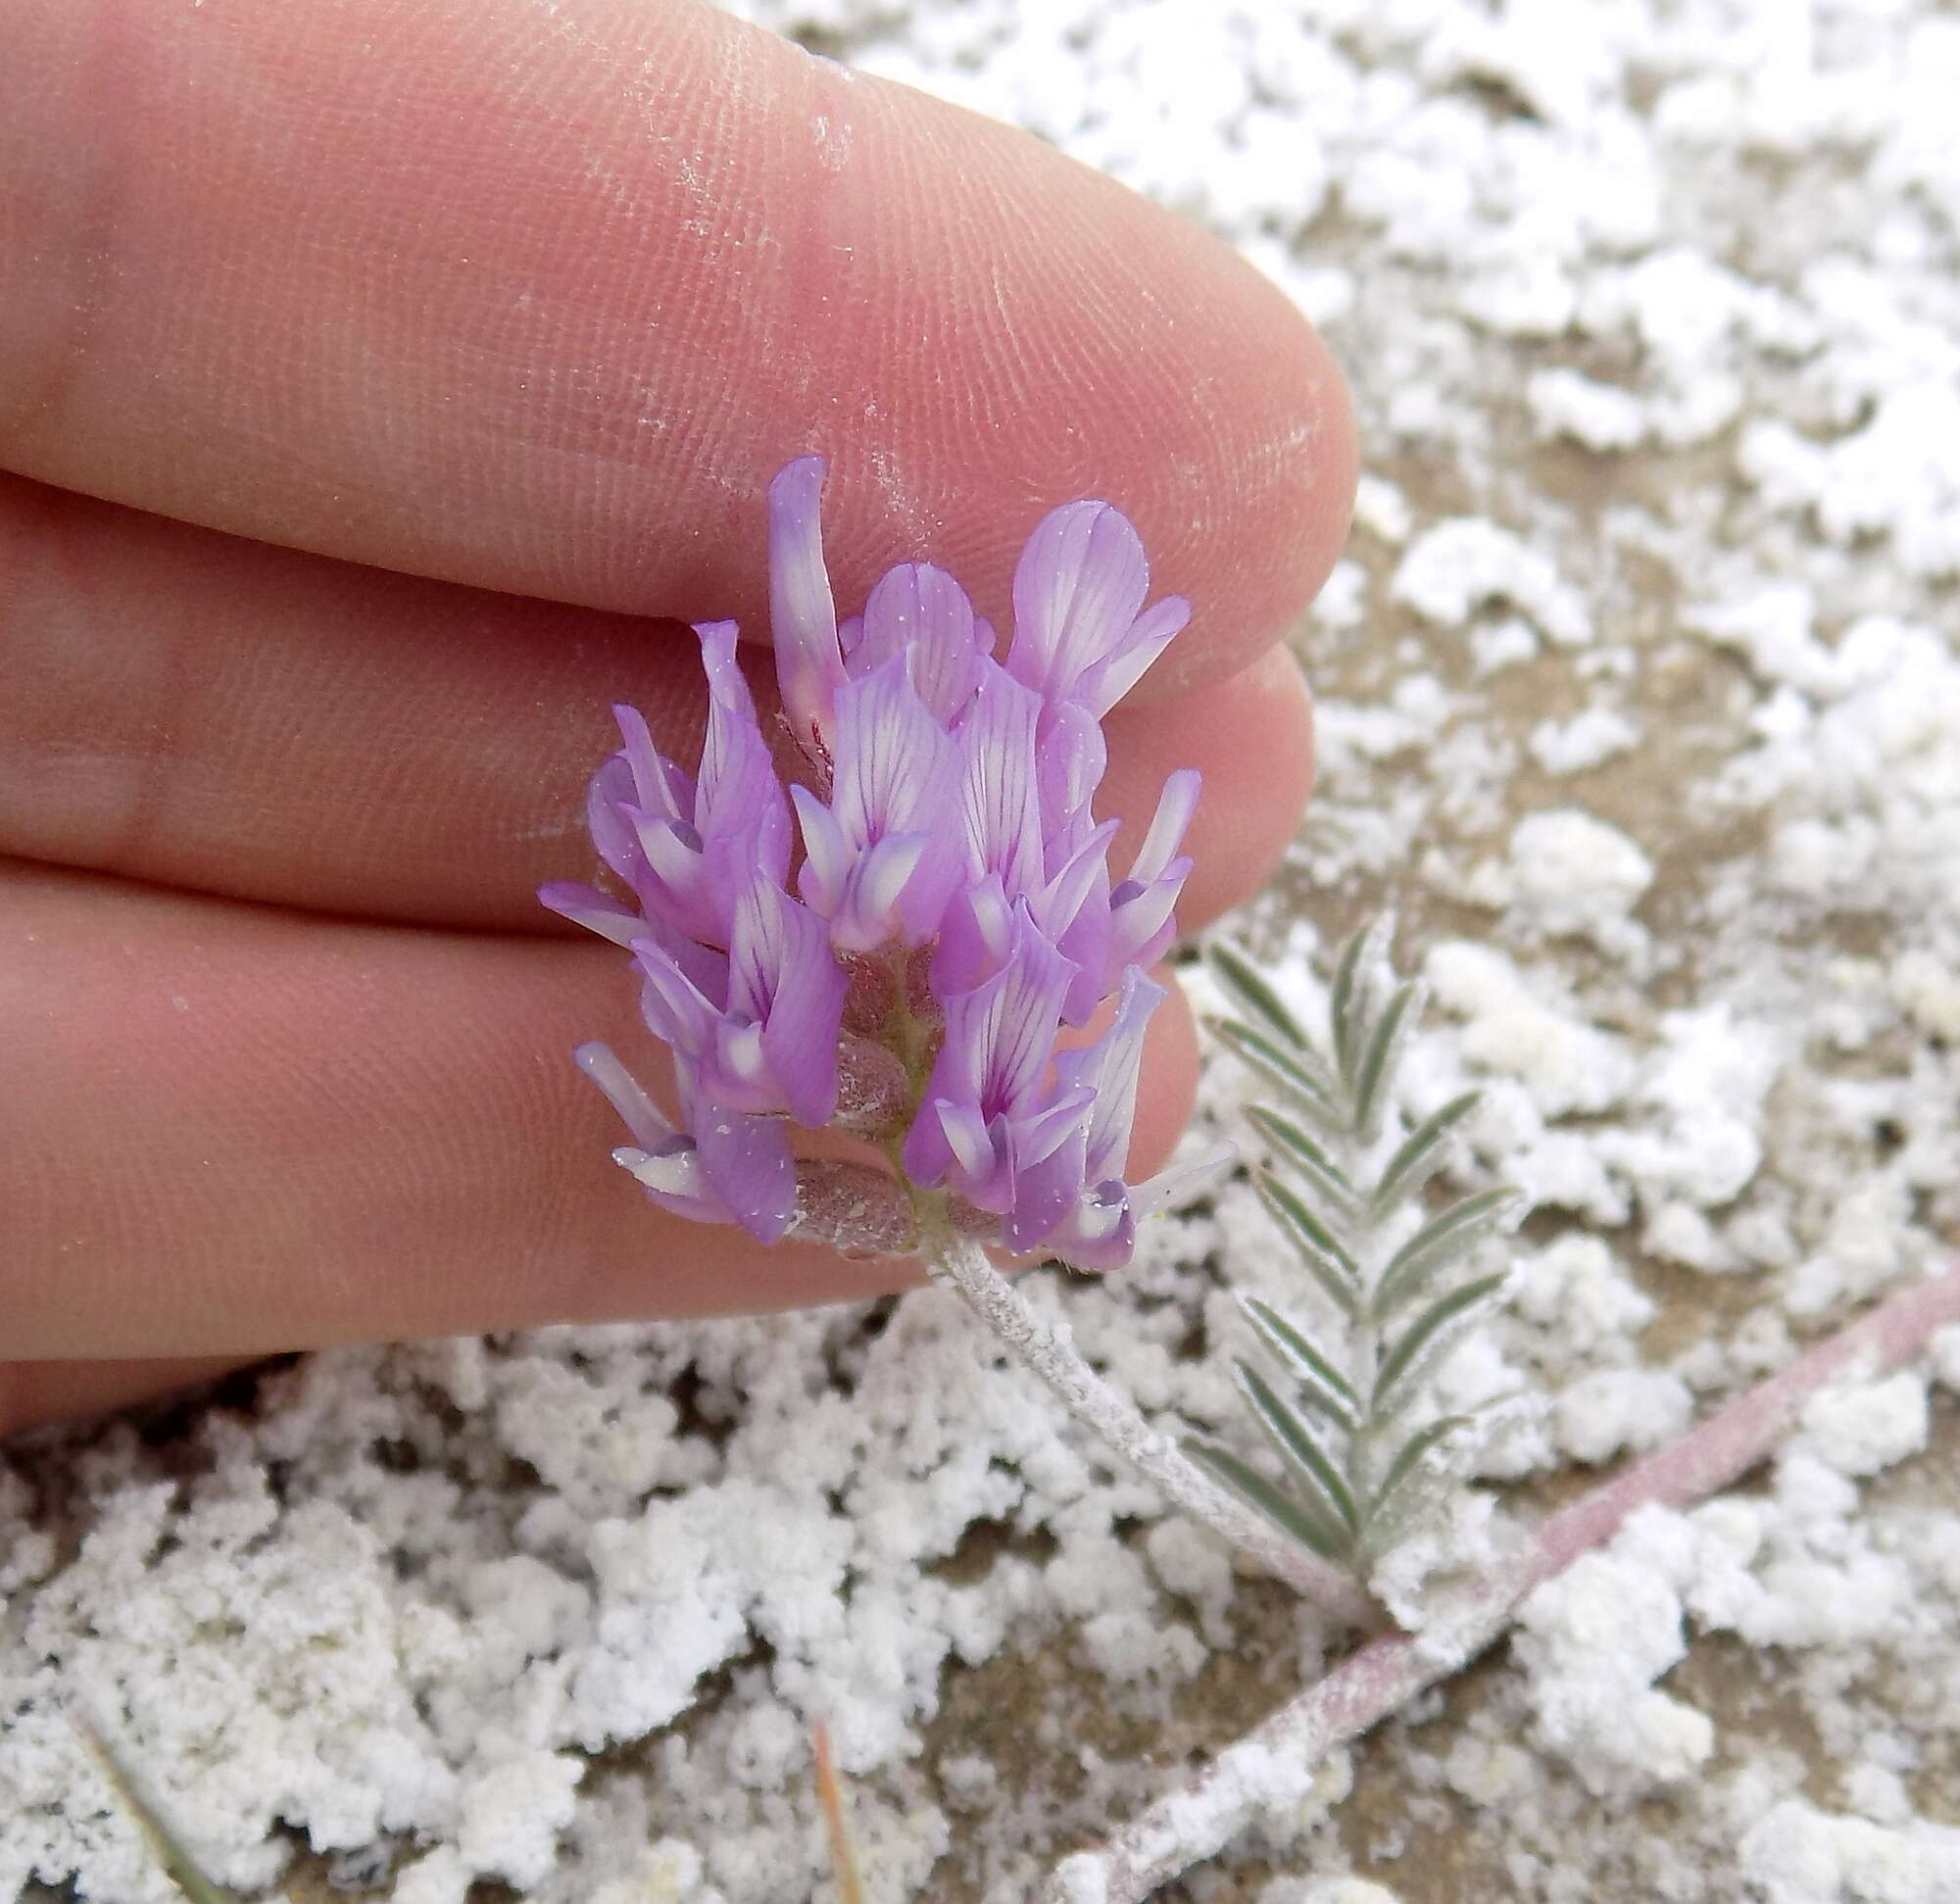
column 953, row 912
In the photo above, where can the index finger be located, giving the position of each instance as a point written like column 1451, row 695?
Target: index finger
column 539, row 297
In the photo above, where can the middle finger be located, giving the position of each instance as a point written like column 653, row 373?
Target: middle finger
column 204, row 711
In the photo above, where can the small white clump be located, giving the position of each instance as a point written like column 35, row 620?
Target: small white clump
column 1460, row 566
column 1590, row 739
column 1592, row 1641
column 1569, row 872
column 1863, row 1429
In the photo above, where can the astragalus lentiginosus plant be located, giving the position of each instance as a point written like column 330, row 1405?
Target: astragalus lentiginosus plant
column 927, row 980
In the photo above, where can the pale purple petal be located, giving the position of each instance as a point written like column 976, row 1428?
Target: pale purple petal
column 878, row 904
column 999, row 1043
column 1071, row 760
column 955, row 1136
column 596, row 912
column 1078, row 588
column 663, row 1158
column 827, row 856
column 1038, row 1136
column 973, row 937
column 677, row 1010
column 674, row 885
column 741, row 813
column 1176, row 805
column 1142, row 906
column 1046, row 1187
column 1100, row 1234
column 1017, row 1027
column 950, row 1135
column 894, row 765
column 1103, row 686
column 882, row 858
column 920, row 614
column 1073, row 911
column 1141, row 919
column 607, row 796
column 1108, row 1070
column 659, row 786
column 625, row 1093
column 1087, row 944
column 1182, row 1181
column 1000, row 801
column 746, row 1162
column 803, row 617
column 783, row 975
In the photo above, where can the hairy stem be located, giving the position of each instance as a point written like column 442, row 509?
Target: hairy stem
column 1275, row 1763
column 960, row 1265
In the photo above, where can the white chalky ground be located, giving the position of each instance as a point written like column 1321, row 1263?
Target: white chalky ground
column 1640, row 706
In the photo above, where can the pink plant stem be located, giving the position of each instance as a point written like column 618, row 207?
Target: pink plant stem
column 1275, row 1764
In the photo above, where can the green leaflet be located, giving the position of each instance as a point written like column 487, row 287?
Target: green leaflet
column 1289, row 1515
column 176, row 1863
column 1253, row 991
column 1374, row 1070
column 1301, row 1150
column 1342, row 996
column 1440, row 1242
column 1427, row 1330
column 1409, row 1456
column 1283, row 1068
column 1307, row 1460
column 1333, row 1268
column 1323, row 1383
column 1421, row 1151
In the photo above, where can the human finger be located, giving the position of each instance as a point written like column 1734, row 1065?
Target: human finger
column 32, row 1392
column 231, row 1128
column 541, row 301
column 201, row 711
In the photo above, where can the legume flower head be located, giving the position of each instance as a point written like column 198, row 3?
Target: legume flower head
column 896, row 943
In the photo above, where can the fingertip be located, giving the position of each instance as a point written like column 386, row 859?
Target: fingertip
column 547, row 311
column 1038, row 332
column 1169, row 1093
column 1251, row 738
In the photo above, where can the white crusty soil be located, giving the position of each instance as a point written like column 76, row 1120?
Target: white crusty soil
column 1640, row 708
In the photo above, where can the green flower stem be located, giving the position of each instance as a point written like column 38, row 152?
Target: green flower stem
column 960, row 1265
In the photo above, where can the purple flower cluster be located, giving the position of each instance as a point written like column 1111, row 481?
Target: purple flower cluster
column 951, row 915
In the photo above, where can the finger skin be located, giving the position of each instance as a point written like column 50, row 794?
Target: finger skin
column 538, row 302
column 231, row 1130
column 540, row 298
column 32, row 1392
column 200, row 710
